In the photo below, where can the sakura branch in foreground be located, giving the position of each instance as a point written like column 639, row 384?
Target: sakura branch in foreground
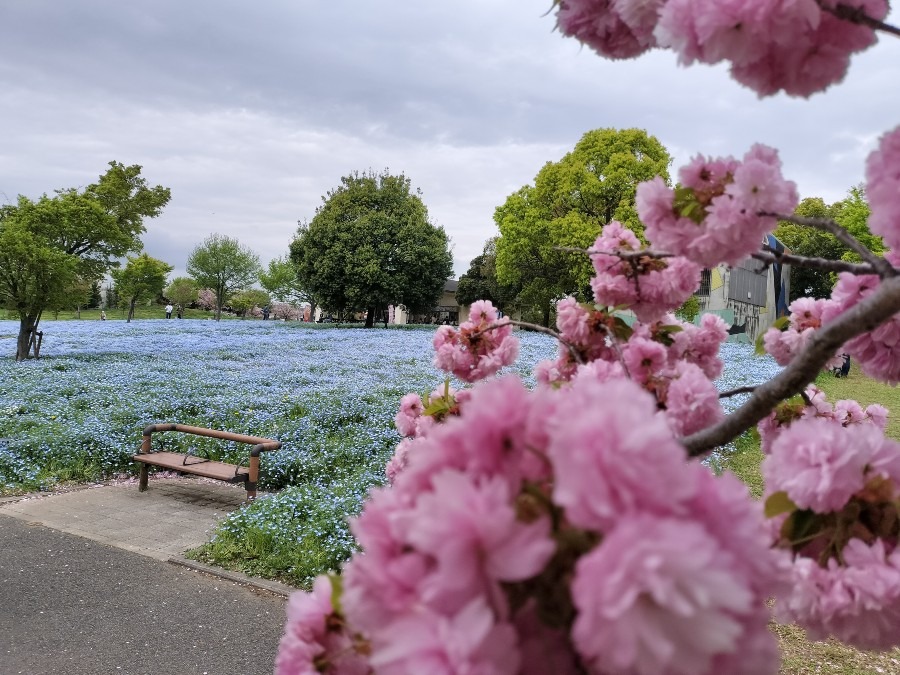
column 570, row 529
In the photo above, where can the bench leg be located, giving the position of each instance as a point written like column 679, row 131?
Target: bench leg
column 142, row 481
column 252, row 478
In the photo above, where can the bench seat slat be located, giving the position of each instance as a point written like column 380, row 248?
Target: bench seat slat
column 207, row 469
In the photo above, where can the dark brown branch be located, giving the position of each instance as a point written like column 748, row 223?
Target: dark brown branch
column 770, row 256
column 622, row 255
column 749, row 389
column 576, row 356
column 857, row 15
column 885, row 269
column 869, row 313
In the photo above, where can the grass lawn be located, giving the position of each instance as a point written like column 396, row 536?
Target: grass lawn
column 799, row 655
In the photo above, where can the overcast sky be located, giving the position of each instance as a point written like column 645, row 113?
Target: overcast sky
column 251, row 111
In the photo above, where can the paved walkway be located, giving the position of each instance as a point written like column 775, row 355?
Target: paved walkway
column 72, row 606
column 85, row 589
column 175, row 514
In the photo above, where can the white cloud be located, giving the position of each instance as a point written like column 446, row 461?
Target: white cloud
column 251, row 112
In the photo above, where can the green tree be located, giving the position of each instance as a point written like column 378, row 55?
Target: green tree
column 33, row 276
column 182, row 291
column 480, row 281
column 282, row 281
column 77, row 296
column 77, row 235
column 370, row 245
column 95, row 298
column 852, row 212
column 224, row 265
column 243, row 301
column 569, row 203
column 142, row 278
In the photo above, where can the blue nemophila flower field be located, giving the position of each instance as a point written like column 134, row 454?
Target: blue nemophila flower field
column 328, row 395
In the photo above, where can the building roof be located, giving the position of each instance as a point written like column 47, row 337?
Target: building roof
column 450, row 285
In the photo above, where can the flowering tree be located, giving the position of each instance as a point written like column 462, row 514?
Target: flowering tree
column 206, row 299
column 570, row 529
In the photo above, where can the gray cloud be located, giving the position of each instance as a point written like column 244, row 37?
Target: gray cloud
column 251, row 112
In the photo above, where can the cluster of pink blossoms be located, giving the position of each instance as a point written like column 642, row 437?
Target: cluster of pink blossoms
column 836, row 489
column 650, row 287
column 416, row 417
column 714, row 215
column 674, row 361
column 795, row 46
column 876, row 351
column 882, row 188
column 516, row 541
column 564, row 530
column 816, row 406
column 479, row 348
column 805, row 319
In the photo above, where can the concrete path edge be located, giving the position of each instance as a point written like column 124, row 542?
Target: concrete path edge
column 275, row 587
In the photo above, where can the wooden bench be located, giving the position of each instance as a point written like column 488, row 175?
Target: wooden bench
column 201, row 466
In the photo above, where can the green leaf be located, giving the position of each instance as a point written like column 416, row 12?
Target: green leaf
column 782, row 323
column 337, row 590
column 779, row 503
column 621, row 329
column 670, row 329
column 436, row 407
column 686, row 205
column 760, row 349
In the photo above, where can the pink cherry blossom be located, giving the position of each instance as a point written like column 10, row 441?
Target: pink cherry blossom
column 772, row 45
column 469, row 641
column 658, row 595
column 411, row 408
column 310, row 645
column 603, row 26
column 878, row 351
column 643, row 358
column 720, row 220
column 858, row 603
column 650, row 287
column 481, row 346
column 805, row 319
column 819, row 463
column 699, row 344
column 469, row 529
column 882, row 188
column 691, row 400
column 617, row 459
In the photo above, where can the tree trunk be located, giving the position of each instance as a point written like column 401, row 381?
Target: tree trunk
column 77, row 311
column 131, row 310
column 547, row 315
column 384, row 315
column 27, row 328
column 218, row 312
column 370, row 317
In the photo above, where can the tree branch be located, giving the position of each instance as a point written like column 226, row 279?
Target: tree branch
column 623, row 255
column 769, row 256
column 885, row 269
column 749, row 389
column 857, row 15
column 883, row 303
column 546, row 331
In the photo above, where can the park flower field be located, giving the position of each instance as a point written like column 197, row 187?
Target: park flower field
column 329, row 395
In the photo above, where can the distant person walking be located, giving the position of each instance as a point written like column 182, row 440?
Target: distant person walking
column 102, row 315
column 169, row 309
column 179, row 310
